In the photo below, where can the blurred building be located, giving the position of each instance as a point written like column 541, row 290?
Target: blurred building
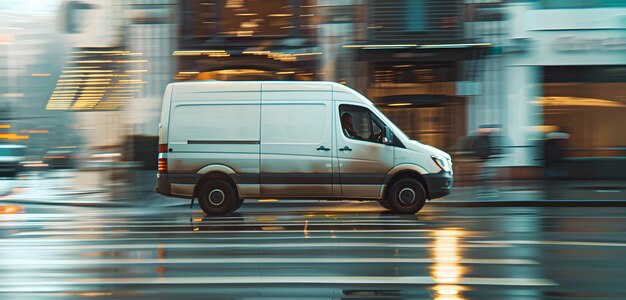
column 419, row 66
column 248, row 40
column 118, row 61
column 29, row 63
column 565, row 70
column 439, row 69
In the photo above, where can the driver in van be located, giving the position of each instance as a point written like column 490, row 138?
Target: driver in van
column 348, row 127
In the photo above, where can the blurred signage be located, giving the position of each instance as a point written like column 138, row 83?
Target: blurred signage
column 576, row 44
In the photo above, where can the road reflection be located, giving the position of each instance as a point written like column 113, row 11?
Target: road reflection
column 447, row 270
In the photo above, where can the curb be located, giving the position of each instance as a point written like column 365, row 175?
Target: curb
column 536, row 203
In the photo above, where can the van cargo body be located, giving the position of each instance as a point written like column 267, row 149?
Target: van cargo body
column 222, row 142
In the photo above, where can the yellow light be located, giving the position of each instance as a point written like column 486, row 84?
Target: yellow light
column 279, row 15
column 84, row 80
column 40, row 74
column 87, row 71
column 400, row 104
column 246, row 14
column 576, row 101
column 5, row 126
column 268, row 200
column 11, row 209
column 92, row 61
column 13, row 136
column 37, row 131
column 285, row 72
column 194, row 52
column 257, row 52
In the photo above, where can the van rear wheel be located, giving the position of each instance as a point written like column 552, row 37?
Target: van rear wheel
column 407, row 196
column 217, row 197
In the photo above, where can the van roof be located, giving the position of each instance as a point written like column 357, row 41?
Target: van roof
column 250, row 84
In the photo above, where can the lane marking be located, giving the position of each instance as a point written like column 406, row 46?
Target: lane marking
column 249, row 246
column 43, row 285
column 566, row 243
column 100, row 226
column 250, row 260
column 332, row 231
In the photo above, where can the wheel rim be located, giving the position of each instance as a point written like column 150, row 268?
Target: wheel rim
column 406, row 196
column 216, row 197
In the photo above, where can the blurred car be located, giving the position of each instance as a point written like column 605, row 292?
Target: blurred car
column 61, row 158
column 10, row 158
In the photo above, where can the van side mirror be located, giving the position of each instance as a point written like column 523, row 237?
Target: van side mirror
column 388, row 138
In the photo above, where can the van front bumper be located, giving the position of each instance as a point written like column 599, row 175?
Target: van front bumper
column 438, row 184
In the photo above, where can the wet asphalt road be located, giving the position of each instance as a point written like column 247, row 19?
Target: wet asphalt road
column 326, row 250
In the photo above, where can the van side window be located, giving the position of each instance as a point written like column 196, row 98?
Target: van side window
column 360, row 124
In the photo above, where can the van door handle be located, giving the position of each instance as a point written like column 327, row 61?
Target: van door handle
column 346, row 148
column 322, row 148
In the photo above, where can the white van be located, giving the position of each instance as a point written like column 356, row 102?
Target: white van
column 222, row 142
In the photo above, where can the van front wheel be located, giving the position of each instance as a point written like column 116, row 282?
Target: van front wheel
column 407, row 196
column 217, row 197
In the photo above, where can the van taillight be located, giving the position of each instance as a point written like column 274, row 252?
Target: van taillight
column 162, row 162
column 162, row 167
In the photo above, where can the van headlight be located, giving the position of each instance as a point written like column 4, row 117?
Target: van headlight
column 442, row 162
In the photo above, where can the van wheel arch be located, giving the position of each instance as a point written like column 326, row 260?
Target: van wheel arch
column 402, row 175
column 214, row 176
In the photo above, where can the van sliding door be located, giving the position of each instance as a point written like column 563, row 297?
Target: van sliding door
column 296, row 141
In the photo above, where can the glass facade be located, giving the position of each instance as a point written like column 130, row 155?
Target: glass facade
column 553, row 4
column 238, row 18
column 586, row 102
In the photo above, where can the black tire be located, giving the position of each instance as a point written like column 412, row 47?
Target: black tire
column 384, row 203
column 217, row 197
column 407, row 196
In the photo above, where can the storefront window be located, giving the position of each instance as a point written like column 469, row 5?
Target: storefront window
column 251, row 17
column 588, row 103
column 438, row 126
column 414, row 72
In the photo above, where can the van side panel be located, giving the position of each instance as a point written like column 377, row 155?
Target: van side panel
column 295, row 133
column 209, row 127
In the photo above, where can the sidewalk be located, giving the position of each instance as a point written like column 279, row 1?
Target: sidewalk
column 561, row 192
column 139, row 193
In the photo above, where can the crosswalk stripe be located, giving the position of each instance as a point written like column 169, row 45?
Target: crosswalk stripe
column 43, row 285
column 253, row 260
column 247, row 245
